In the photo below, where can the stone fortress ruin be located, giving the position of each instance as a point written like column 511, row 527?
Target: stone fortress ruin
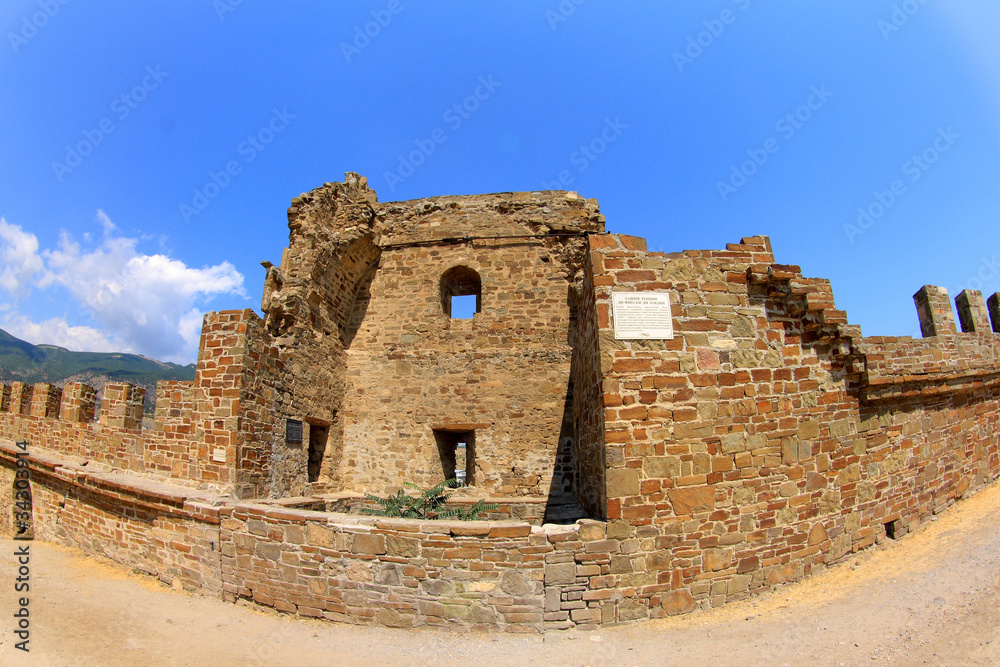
column 742, row 437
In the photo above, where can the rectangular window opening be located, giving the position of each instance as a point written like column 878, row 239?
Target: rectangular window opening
column 458, row 452
column 890, row 529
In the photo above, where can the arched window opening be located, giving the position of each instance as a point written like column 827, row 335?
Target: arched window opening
column 461, row 292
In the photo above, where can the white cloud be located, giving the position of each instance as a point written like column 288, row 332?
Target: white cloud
column 57, row 331
column 21, row 261
column 149, row 304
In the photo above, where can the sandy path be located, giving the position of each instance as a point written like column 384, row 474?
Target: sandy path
column 932, row 597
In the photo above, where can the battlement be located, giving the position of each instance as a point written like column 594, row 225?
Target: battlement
column 934, row 311
column 194, row 438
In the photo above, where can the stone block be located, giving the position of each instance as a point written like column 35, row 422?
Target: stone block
column 714, row 560
column 733, row 443
column 661, row 466
column 319, row 536
column 366, row 543
column 678, row 602
column 560, row 574
column 808, row 429
column 520, row 530
column 690, row 500
column 623, row 482
column 404, row 547
column 515, row 583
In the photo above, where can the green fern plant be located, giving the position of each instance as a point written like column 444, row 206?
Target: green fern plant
column 428, row 504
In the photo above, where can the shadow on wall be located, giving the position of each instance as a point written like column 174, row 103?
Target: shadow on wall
column 562, row 505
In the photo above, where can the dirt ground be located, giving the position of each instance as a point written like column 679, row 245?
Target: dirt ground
column 932, row 597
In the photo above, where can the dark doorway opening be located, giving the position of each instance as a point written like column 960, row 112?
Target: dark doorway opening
column 317, row 449
column 457, row 450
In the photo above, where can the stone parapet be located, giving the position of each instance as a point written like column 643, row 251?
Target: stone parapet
column 972, row 313
column 46, row 399
column 934, row 310
column 79, row 403
column 21, row 394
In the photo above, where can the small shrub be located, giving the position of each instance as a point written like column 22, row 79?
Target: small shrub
column 428, row 504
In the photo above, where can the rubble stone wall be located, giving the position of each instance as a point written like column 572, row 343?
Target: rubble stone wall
column 359, row 310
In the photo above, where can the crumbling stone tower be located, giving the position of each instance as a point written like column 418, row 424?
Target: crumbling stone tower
column 387, row 384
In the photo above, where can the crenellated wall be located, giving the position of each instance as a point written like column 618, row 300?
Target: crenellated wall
column 768, row 439
column 213, row 432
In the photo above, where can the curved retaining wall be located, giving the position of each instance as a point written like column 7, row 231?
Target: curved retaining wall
column 494, row 576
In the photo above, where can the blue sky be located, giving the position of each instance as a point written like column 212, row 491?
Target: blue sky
column 149, row 151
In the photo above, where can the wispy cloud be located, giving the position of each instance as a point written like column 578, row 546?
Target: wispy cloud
column 148, row 304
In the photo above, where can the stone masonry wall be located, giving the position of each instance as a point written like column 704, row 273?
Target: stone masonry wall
column 768, row 439
column 496, row 576
column 154, row 528
column 358, row 311
column 214, row 432
column 764, row 442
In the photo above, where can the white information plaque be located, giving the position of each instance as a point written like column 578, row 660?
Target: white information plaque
column 642, row 315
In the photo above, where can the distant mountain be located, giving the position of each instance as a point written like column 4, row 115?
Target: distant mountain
column 21, row 361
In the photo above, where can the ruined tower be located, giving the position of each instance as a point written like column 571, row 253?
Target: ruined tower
column 389, row 382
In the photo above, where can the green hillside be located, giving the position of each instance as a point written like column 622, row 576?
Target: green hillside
column 21, row 361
